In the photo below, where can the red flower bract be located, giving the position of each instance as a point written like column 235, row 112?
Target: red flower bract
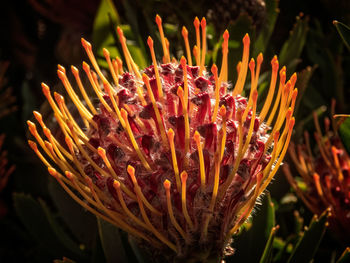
column 172, row 154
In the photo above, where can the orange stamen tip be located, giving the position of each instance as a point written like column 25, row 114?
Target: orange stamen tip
column 52, row 171
column 252, row 64
column 203, row 22
column 116, row 184
column 61, row 74
column 86, row 66
column 85, row 43
column 183, row 176
column 171, row 134
column 105, row 52
column 150, row 42
column 184, row 32
column 31, row 126
column 131, row 170
column 295, row 93
column 275, row 64
column 120, row 33
column 124, row 114
column 276, row 135
column 239, row 65
column 196, row 22
column 283, row 77
column 69, row 175
column 158, row 20
column 145, row 78
column 291, row 123
column 101, row 151
column 74, row 70
column 45, row 88
column 226, row 35
column 222, row 111
column 33, row 145
column 183, row 61
column 196, row 136
column 246, row 39
column 37, row 115
column 180, row 92
column 60, row 67
column 260, row 58
column 58, row 97
column 167, row 184
column 293, row 78
column 214, row 69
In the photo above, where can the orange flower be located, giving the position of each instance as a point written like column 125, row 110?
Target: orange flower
column 172, row 154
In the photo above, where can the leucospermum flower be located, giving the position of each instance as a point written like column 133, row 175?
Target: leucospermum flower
column 172, row 154
column 324, row 175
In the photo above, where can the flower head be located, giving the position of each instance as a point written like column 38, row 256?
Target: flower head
column 172, row 154
column 324, row 180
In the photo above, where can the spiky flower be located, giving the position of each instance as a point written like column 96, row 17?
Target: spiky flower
column 324, row 180
column 171, row 154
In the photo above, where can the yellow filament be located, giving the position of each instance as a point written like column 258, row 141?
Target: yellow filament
column 142, row 158
column 84, row 113
column 156, row 110
column 277, row 100
column 34, row 132
column 197, row 139
column 239, row 156
column 252, row 88
column 187, row 45
column 117, row 186
column 120, row 65
column 102, row 153
column 161, row 32
column 183, row 199
column 224, row 65
column 156, row 71
column 198, row 41
column 114, row 72
column 243, row 71
column 139, row 194
column 171, row 135
column 252, row 122
column 270, row 94
column 204, row 46
column 173, row 220
column 337, row 165
column 280, row 159
column 125, row 48
column 214, row 70
column 187, row 125
column 35, row 149
column 223, row 128
column 75, row 72
column 196, row 54
column 317, row 184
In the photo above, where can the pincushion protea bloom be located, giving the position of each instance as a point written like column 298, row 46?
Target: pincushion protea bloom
column 172, row 154
column 325, row 175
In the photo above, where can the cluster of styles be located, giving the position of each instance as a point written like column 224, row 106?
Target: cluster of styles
column 172, row 154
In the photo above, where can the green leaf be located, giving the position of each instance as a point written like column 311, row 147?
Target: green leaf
column 271, row 16
column 73, row 215
column 345, row 257
column 41, row 224
column 344, row 132
column 250, row 244
column 102, row 33
column 111, row 242
column 344, row 32
column 267, row 255
column 309, row 241
column 292, row 48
